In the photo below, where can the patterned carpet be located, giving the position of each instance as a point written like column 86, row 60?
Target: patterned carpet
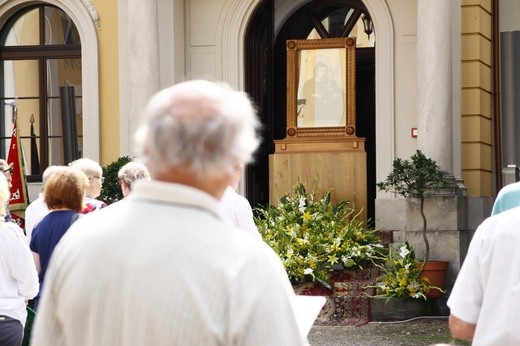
column 347, row 303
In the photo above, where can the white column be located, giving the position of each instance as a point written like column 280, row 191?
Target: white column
column 434, row 81
column 142, row 61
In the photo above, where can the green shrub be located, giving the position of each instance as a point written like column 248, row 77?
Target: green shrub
column 111, row 191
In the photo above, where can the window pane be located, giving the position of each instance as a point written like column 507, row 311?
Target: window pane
column 61, row 72
column 25, row 30
column 336, row 20
column 56, row 152
column 6, row 127
column 26, row 108
column 21, row 78
column 31, row 150
column 60, row 124
column 79, row 123
column 54, row 123
column 59, row 28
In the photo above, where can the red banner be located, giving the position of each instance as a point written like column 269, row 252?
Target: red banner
column 18, row 201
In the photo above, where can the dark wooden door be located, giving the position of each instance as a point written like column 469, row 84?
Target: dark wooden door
column 258, row 78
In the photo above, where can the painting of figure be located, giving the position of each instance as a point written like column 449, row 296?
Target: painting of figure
column 321, row 92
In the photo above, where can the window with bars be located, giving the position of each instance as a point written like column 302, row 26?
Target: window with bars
column 41, row 86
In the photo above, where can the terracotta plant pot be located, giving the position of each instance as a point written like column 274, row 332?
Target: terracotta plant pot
column 435, row 271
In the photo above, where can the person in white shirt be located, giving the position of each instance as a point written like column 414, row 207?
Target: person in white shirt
column 165, row 268
column 237, row 208
column 37, row 209
column 18, row 276
column 7, row 170
column 484, row 300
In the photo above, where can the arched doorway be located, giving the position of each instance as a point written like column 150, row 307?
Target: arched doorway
column 265, row 75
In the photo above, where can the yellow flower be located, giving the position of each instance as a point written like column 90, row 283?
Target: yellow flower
column 333, row 259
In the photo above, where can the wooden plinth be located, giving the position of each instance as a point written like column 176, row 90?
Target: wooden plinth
column 339, row 164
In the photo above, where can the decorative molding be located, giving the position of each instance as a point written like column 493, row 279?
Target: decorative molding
column 92, row 11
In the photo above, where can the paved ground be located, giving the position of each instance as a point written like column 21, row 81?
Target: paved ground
column 417, row 332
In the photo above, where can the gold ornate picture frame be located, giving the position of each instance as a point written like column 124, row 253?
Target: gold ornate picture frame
column 321, row 88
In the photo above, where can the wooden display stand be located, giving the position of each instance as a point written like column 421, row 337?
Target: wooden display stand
column 340, row 165
column 321, row 149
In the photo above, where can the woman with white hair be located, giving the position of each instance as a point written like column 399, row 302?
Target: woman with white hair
column 94, row 173
column 18, row 276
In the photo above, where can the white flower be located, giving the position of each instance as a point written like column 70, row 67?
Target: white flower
column 308, row 271
column 407, row 266
column 403, row 251
column 301, row 205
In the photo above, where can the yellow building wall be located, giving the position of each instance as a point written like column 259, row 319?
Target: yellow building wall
column 476, row 96
column 108, row 81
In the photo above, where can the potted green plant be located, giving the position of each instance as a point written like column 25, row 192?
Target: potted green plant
column 312, row 235
column 419, row 178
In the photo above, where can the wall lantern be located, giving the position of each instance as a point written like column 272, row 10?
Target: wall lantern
column 368, row 24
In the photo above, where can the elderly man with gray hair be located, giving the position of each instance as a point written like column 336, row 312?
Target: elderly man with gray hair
column 165, row 268
column 129, row 174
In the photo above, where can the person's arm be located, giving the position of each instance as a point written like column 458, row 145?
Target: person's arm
column 33, row 245
column 460, row 329
column 21, row 267
column 36, row 258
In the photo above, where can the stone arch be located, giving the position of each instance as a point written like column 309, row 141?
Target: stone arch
column 85, row 20
column 235, row 17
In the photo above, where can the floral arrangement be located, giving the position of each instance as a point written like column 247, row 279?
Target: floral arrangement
column 313, row 236
column 401, row 276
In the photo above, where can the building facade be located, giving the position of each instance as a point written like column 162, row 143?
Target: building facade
column 427, row 77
